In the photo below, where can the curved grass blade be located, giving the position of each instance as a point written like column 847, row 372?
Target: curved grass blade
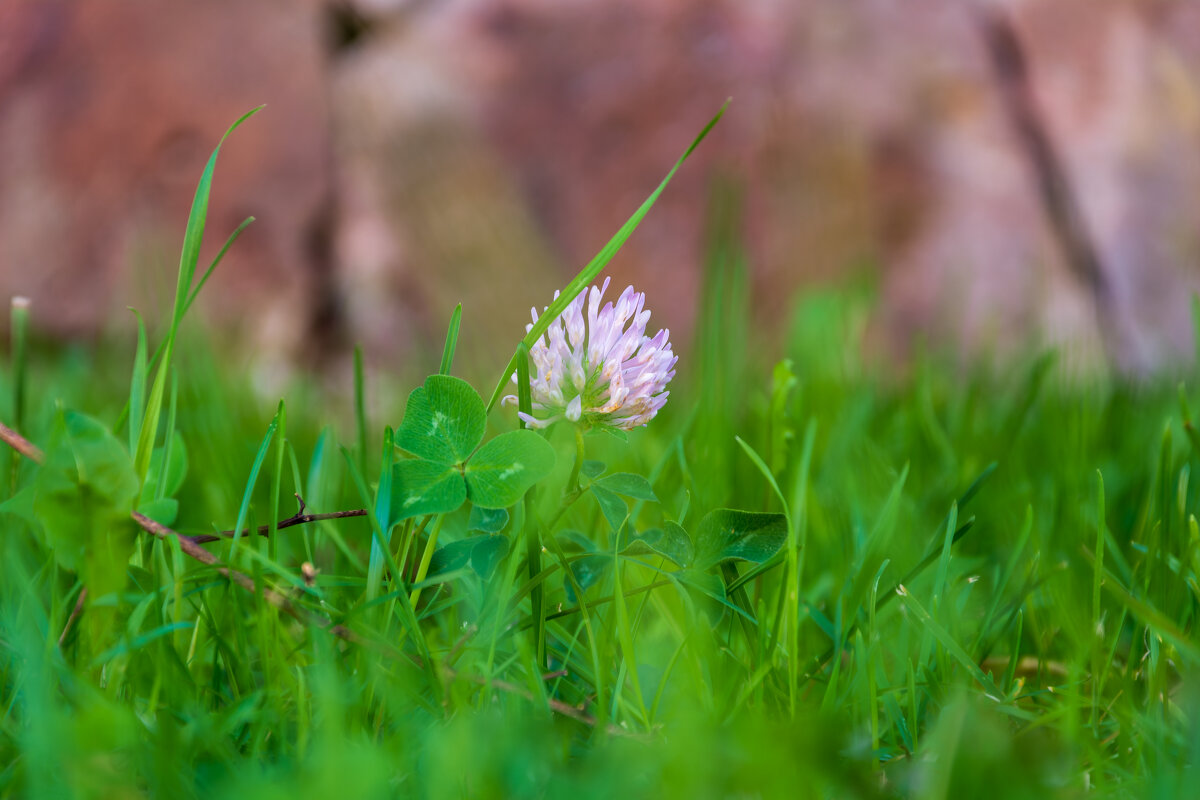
column 753, row 455
column 190, row 256
column 137, row 385
column 451, row 340
column 383, row 513
column 600, row 261
column 137, row 396
column 524, row 393
column 233, row 237
column 936, row 631
column 252, row 480
column 407, row 615
column 360, row 409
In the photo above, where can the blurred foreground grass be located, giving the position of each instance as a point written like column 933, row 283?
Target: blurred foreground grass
column 973, row 583
column 1048, row 651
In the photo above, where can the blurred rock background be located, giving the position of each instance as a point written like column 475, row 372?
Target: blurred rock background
column 1012, row 171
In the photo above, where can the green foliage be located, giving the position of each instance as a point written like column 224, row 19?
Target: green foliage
column 594, row 267
column 728, row 535
column 808, row 580
column 481, row 554
column 670, row 541
column 81, row 499
column 627, row 484
column 425, row 487
column 443, row 426
column 501, row 471
column 487, row 520
column 443, row 422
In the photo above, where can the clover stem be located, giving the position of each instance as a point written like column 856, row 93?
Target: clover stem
column 568, row 500
column 573, row 481
column 426, row 558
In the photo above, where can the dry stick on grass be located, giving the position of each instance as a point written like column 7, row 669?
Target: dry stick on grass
column 22, row 445
column 75, row 612
column 191, row 548
column 299, row 518
column 558, row 706
column 270, row 595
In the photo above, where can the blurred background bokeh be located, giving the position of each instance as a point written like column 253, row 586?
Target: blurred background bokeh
column 1002, row 175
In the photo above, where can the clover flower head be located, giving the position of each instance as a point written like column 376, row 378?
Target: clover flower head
column 597, row 366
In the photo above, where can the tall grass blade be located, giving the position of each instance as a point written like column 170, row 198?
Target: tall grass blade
column 19, row 331
column 1097, row 579
column 524, row 393
column 233, row 237
column 192, row 237
column 137, row 385
column 252, row 480
column 599, row 262
column 360, row 409
column 19, row 344
column 382, row 516
column 947, row 641
column 451, row 341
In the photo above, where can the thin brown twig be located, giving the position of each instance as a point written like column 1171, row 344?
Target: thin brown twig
column 565, row 612
column 558, row 706
column 191, row 546
column 470, row 631
column 74, row 616
column 22, row 445
column 299, row 518
column 555, row 705
column 273, row 597
column 193, row 549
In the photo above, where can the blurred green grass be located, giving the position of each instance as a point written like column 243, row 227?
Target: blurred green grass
column 1000, row 674
column 987, row 586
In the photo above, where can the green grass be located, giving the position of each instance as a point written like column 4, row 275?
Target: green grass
column 1039, row 654
column 965, row 582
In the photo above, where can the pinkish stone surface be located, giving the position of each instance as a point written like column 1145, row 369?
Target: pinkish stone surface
column 483, row 151
column 109, row 111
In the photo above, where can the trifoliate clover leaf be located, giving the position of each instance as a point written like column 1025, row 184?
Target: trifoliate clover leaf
column 500, row 473
column 443, row 421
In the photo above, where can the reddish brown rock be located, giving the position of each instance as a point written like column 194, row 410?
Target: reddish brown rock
column 109, row 110
column 429, row 214
column 875, row 134
column 431, row 153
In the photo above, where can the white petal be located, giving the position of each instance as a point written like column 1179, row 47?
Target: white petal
column 575, row 408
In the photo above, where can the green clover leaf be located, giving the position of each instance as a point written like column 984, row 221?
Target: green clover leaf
column 504, row 468
column 443, row 421
column 727, row 535
column 480, row 554
column 423, row 487
column 443, row 425
column 670, row 541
